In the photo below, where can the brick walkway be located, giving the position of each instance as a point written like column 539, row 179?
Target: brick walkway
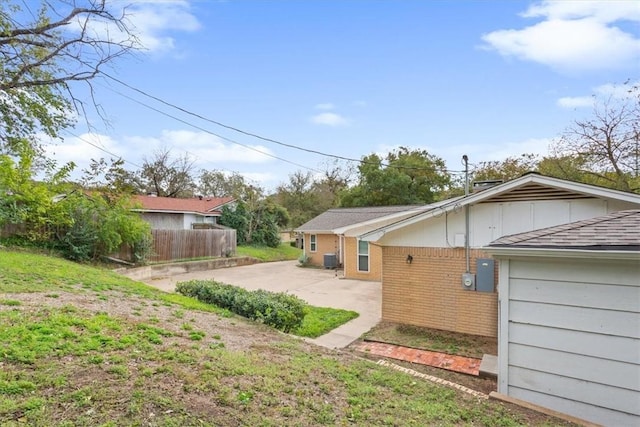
column 465, row 365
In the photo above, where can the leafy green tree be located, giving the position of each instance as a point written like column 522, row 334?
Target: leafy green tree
column 237, row 217
column 100, row 226
column 299, row 198
column 110, row 178
column 306, row 196
column 404, row 177
column 42, row 53
column 258, row 224
column 54, row 213
column 507, row 169
column 28, row 203
column 216, row 183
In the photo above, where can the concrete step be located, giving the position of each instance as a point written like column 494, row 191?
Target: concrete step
column 489, row 366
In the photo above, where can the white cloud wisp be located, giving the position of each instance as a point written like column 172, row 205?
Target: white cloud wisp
column 573, row 36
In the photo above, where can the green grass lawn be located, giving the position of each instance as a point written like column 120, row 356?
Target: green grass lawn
column 320, row 320
column 82, row 346
column 283, row 252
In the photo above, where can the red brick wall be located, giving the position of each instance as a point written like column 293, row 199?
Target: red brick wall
column 428, row 292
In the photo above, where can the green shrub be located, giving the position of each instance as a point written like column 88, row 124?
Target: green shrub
column 304, row 260
column 279, row 310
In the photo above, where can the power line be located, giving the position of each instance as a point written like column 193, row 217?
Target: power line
column 247, row 133
column 213, row 133
column 103, row 149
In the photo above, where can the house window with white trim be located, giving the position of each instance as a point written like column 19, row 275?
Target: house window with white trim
column 363, row 255
column 313, row 243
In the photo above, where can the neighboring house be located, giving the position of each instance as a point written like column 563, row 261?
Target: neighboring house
column 569, row 335
column 170, row 213
column 330, row 239
column 424, row 257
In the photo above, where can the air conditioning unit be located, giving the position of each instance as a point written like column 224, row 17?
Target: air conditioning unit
column 330, row 261
column 469, row 281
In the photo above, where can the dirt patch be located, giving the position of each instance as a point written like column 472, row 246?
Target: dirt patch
column 236, row 333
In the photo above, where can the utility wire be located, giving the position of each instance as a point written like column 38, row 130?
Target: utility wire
column 248, row 147
column 251, row 134
column 102, row 149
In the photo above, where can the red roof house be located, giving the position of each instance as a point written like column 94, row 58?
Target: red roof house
column 180, row 214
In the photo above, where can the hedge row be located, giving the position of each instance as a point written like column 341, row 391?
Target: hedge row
column 280, row 310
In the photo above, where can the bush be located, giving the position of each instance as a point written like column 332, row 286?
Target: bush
column 304, row 260
column 279, row 310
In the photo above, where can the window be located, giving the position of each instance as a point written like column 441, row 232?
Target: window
column 313, row 244
column 363, row 255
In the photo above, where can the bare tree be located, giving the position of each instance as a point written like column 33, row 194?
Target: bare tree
column 42, row 52
column 166, row 176
column 608, row 142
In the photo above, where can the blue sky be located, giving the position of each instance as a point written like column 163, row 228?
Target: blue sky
column 489, row 79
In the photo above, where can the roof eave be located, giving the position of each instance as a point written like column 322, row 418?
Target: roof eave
column 396, row 215
column 175, row 212
column 528, row 252
column 457, row 202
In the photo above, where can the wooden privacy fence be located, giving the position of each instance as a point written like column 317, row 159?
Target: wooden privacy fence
column 172, row 245
column 169, row 245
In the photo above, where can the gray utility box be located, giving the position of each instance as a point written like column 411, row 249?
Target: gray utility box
column 485, row 275
column 330, row 261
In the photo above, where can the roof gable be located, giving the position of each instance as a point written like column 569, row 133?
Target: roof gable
column 616, row 231
column 529, row 187
column 210, row 205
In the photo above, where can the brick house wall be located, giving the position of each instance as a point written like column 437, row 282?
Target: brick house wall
column 351, row 261
column 325, row 244
column 428, row 292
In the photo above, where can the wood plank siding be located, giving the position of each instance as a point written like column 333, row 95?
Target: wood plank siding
column 573, row 336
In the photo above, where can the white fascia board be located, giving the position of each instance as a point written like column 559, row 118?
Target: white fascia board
column 378, row 222
column 314, row 231
column 173, row 212
column 435, row 209
column 448, row 205
column 521, row 252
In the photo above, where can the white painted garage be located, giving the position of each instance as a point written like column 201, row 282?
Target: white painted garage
column 569, row 328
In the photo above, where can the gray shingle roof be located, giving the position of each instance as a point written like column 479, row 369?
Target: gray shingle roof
column 616, row 231
column 343, row 217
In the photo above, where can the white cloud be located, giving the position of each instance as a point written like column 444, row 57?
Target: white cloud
column 573, row 36
column 538, row 146
column 152, row 21
column 452, row 154
column 330, row 119
column 149, row 21
column 203, row 147
column 325, row 106
column 607, row 90
column 605, row 11
column 575, row 101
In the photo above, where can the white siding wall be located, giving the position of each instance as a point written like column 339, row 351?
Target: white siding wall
column 490, row 221
column 161, row 221
column 188, row 220
column 572, row 340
